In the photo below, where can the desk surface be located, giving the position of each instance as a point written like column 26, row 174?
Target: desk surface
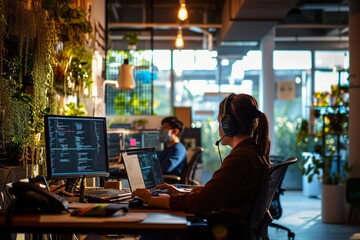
column 134, row 222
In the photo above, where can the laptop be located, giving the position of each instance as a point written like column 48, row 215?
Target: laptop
column 143, row 169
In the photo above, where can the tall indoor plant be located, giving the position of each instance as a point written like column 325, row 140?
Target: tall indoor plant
column 326, row 161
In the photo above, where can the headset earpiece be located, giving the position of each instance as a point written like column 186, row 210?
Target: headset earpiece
column 228, row 123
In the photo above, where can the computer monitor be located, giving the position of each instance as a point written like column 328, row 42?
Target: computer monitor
column 76, row 147
column 151, row 139
column 143, row 139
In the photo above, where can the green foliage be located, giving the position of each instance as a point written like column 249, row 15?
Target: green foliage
column 37, row 38
column 73, row 57
column 285, row 145
column 116, row 120
column 132, row 38
column 140, row 123
column 209, row 135
column 133, row 104
column 75, row 110
column 322, row 168
column 71, row 22
column 316, row 163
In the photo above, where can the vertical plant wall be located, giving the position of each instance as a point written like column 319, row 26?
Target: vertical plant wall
column 27, row 45
column 36, row 37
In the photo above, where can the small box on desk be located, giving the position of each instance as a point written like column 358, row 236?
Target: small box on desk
column 113, row 184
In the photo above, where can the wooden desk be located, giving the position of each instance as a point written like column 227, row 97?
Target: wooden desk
column 137, row 222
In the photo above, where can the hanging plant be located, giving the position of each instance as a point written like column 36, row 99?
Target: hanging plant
column 38, row 40
column 72, row 70
column 132, row 39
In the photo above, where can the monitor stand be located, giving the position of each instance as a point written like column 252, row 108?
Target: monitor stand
column 71, row 184
column 82, row 189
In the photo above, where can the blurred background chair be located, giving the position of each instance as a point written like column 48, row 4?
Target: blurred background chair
column 353, row 194
column 187, row 177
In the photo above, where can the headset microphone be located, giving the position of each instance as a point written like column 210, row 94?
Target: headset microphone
column 219, row 141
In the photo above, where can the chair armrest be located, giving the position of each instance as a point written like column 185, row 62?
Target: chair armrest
column 171, row 178
column 194, row 182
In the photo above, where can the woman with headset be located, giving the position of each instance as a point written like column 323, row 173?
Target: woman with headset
column 233, row 187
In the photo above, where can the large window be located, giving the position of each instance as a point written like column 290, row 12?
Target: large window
column 162, row 84
column 201, row 79
column 292, row 75
column 330, row 69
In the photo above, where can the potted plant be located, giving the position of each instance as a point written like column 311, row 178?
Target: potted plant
column 133, row 39
column 324, row 164
column 333, row 203
column 140, row 123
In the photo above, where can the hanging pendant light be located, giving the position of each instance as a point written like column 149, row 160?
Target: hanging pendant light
column 182, row 13
column 126, row 80
column 179, row 42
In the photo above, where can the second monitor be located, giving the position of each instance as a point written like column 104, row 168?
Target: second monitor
column 143, row 139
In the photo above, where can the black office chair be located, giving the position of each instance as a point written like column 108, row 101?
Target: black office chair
column 275, row 207
column 261, row 216
column 256, row 227
column 187, row 177
column 353, row 194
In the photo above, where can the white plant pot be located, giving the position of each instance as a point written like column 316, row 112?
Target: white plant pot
column 312, row 189
column 333, row 204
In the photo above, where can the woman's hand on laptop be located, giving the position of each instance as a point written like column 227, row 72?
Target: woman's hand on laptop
column 160, row 201
column 143, row 194
column 173, row 191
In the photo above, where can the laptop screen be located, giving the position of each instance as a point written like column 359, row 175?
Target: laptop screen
column 142, row 168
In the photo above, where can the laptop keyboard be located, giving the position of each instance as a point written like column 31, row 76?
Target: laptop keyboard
column 107, row 193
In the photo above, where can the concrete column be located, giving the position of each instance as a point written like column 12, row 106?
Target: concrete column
column 267, row 82
column 354, row 91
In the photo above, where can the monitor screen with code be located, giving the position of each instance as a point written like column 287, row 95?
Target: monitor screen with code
column 76, row 146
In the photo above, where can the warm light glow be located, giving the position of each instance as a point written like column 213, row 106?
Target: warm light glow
column 182, row 13
column 179, row 42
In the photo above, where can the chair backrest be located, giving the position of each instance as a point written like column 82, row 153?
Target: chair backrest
column 193, row 156
column 353, row 191
column 261, row 217
column 275, row 207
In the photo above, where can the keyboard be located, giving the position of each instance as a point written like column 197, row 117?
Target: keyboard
column 107, row 194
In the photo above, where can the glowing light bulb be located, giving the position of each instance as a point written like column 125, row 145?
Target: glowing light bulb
column 179, row 42
column 182, row 13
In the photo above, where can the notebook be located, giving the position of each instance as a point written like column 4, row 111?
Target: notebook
column 143, row 169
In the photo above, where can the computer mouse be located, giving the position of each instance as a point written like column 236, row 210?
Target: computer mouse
column 136, row 203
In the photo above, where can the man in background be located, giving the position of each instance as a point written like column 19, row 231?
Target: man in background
column 173, row 158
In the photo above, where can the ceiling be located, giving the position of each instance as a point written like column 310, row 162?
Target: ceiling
column 231, row 26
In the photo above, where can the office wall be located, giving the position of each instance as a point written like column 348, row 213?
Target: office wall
column 153, row 121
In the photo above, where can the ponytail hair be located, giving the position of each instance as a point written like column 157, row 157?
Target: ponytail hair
column 250, row 121
column 261, row 135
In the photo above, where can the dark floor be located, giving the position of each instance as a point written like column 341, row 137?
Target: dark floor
column 303, row 216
